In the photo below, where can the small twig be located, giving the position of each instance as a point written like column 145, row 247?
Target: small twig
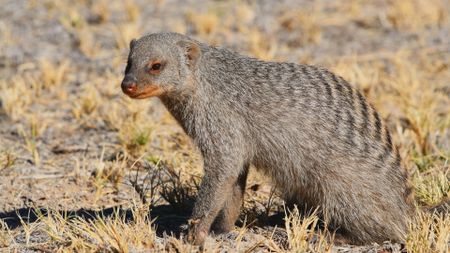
column 39, row 249
column 43, row 176
column 135, row 184
column 270, row 200
column 254, row 246
column 66, row 150
column 139, row 190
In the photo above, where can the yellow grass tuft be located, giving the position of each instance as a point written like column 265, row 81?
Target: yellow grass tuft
column 416, row 15
column 120, row 231
column 88, row 102
column 302, row 236
column 5, row 235
column 108, row 173
column 7, row 159
column 30, row 135
column 124, row 33
column 307, row 20
column 205, row 24
column 53, row 73
column 429, row 233
column 15, row 97
column 101, row 11
column 433, row 186
column 261, row 46
column 87, row 42
column 72, row 18
column 132, row 10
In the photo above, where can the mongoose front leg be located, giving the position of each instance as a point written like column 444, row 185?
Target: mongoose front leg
column 226, row 218
column 214, row 191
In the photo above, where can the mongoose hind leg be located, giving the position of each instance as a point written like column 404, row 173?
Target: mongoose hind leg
column 226, row 218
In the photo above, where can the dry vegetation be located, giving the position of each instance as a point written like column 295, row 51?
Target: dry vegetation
column 81, row 165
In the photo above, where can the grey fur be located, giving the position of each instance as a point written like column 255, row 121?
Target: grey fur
column 306, row 128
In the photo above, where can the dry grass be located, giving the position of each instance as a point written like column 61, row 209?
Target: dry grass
column 417, row 14
column 301, row 234
column 15, row 98
column 114, row 151
column 430, row 233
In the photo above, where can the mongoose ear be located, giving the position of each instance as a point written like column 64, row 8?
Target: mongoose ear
column 132, row 43
column 192, row 51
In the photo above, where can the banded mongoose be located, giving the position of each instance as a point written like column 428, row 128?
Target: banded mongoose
column 315, row 136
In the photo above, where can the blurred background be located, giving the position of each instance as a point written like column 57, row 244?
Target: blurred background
column 71, row 142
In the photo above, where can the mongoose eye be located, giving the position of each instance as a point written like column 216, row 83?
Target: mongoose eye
column 155, row 67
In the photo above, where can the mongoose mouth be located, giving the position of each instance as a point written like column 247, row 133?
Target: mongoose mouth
column 149, row 91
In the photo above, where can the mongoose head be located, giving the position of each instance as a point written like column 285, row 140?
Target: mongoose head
column 159, row 64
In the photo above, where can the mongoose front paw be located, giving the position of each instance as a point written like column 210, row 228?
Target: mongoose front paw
column 196, row 235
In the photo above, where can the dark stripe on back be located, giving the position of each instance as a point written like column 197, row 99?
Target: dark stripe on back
column 365, row 121
column 338, row 105
column 391, row 158
column 338, row 84
column 346, row 98
column 307, row 90
column 294, row 79
column 306, row 70
column 398, row 159
column 293, row 83
column 279, row 73
column 255, row 72
column 388, row 148
column 351, row 126
column 377, row 125
column 324, row 81
column 341, row 84
column 364, row 111
column 388, row 138
column 292, row 68
column 386, row 155
column 267, row 73
column 350, row 94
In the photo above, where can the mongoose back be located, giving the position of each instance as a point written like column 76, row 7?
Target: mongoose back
column 316, row 137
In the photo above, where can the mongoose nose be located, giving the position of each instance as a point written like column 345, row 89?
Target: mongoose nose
column 129, row 85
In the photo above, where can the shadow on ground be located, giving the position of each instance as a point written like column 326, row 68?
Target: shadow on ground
column 167, row 219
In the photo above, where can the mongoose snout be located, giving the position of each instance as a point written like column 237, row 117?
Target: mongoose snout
column 322, row 143
column 129, row 85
